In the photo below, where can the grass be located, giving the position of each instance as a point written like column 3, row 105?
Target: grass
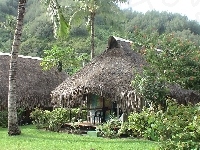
column 33, row 139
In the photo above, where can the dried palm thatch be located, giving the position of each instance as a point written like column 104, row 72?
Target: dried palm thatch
column 33, row 84
column 108, row 75
column 183, row 96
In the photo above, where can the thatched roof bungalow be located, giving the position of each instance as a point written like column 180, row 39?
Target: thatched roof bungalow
column 33, row 84
column 108, row 75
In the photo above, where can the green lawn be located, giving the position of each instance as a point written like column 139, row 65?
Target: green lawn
column 33, row 139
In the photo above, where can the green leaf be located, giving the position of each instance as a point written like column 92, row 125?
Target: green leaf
column 64, row 28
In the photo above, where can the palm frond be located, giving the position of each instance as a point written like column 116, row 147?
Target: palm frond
column 61, row 26
column 78, row 17
column 64, row 27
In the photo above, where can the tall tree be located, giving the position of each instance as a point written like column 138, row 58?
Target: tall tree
column 13, row 128
column 89, row 9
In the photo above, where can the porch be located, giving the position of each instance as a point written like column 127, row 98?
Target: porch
column 99, row 110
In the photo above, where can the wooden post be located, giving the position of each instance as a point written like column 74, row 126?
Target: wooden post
column 70, row 113
column 104, row 110
column 117, row 110
column 80, row 110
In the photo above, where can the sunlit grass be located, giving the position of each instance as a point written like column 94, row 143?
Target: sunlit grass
column 33, row 139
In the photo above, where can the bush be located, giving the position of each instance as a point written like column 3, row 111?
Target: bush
column 4, row 119
column 55, row 119
column 146, row 124
column 40, row 118
column 75, row 113
column 176, row 128
column 183, row 123
column 110, row 128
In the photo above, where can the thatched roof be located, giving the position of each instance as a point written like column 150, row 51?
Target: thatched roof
column 183, row 96
column 108, row 75
column 33, row 84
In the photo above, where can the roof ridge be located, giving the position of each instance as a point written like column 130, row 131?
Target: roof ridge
column 21, row 56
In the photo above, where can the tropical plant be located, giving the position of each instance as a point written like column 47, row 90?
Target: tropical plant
column 54, row 120
column 61, row 25
column 61, row 30
column 13, row 128
column 110, row 128
column 177, row 62
column 153, row 90
column 89, row 9
column 175, row 128
column 40, row 118
column 63, row 58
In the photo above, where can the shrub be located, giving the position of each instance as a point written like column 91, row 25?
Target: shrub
column 110, row 128
column 75, row 128
column 183, row 123
column 55, row 119
column 176, row 128
column 146, row 124
column 4, row 119
column 40, row 118
column 75, row 114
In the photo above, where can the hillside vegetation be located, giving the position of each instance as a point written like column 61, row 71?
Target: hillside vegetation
column 38, row 28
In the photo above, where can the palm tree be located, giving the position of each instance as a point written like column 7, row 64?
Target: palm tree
column 61, row 30
column 13, row 128
column 90, row 8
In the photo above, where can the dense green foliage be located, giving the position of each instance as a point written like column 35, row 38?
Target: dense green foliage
column 3, row 119
column 170, row 60
column 54, row 120
column 177, row 62
column 151, row 87
column 38, row 29
column 176, row 128
column 63, row 58
column 110, row 128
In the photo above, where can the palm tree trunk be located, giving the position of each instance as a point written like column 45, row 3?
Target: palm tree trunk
column 13, row 128
column 92, row 17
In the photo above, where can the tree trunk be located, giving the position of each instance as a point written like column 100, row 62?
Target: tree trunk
column 92, row 18
column 13, row 128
